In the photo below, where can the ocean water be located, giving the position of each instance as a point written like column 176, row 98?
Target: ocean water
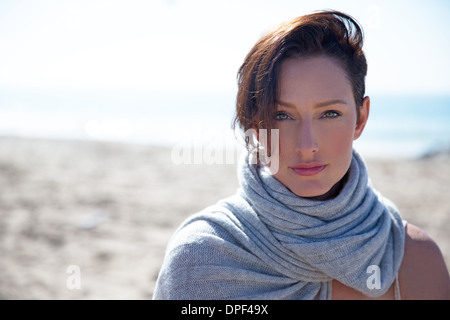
column 399, row 125
column 406, row 126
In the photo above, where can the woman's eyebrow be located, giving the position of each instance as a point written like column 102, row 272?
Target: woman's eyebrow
column 329, row 103
column 321, row 104
column 285, row 104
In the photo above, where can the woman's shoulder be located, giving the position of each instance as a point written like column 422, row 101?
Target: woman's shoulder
column 203, row 226
column 423, row 273
column 219, row 222
column 209, row 232
column 205, row 245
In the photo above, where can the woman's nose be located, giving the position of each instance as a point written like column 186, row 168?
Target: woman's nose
column 306, row 140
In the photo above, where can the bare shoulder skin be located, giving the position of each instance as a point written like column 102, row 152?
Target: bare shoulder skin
column 423, row 274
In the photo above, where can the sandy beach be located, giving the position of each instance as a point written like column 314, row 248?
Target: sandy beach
column 109, row 209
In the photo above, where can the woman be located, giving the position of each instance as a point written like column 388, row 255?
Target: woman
column 306, row 222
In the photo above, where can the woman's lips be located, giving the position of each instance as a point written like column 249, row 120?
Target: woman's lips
column 308, row 169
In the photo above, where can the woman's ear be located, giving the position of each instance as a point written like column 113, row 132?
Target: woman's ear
column 364, row 110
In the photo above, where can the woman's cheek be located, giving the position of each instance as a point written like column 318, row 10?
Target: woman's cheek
column 336, row 139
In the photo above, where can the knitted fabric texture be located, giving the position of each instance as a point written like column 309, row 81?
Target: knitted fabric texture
column 267, row 243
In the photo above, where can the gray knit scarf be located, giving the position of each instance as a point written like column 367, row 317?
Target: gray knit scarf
column 267, row 243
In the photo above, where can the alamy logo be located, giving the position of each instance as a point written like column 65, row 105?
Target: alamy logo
column 374, row 280
column 191, row 152
column 73, row 281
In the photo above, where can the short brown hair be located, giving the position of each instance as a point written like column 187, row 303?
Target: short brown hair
column 331, row 33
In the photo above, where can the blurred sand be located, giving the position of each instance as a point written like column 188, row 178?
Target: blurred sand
column 111, row 208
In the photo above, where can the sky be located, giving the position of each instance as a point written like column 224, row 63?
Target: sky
column 198, row 45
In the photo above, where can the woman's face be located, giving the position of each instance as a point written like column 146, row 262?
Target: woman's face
column 317, row 122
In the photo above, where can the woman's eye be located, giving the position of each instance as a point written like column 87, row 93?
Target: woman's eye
column 331, row 114
column 281, row 116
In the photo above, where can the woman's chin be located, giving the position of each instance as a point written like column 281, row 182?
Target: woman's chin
column 315, row 192
column 308, row 192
